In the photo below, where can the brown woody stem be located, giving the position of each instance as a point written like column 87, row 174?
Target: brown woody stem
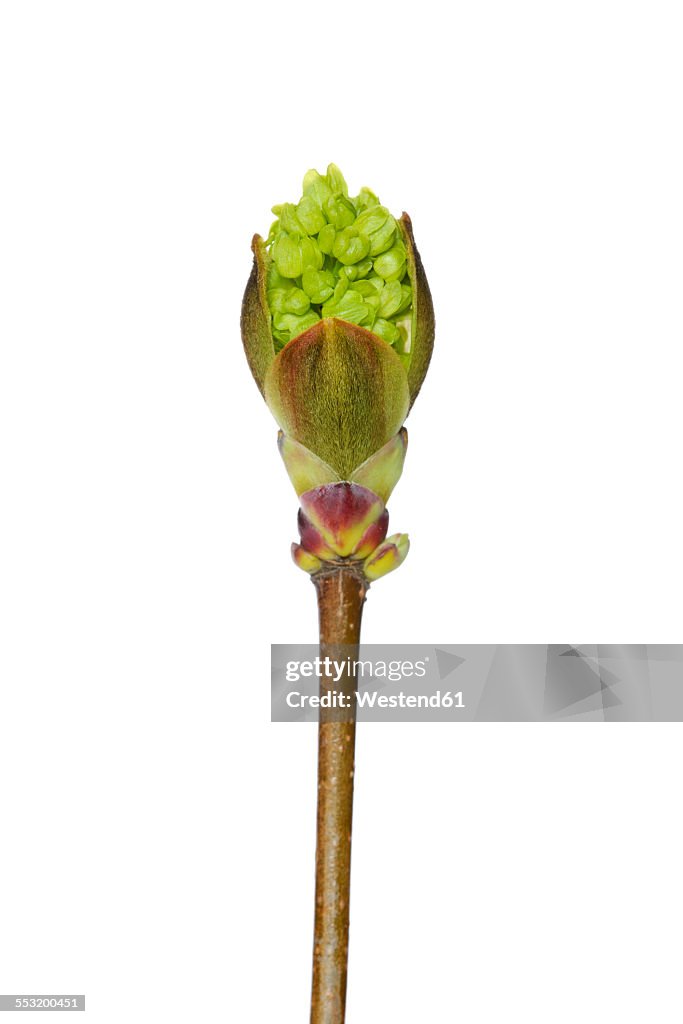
column 341, row 593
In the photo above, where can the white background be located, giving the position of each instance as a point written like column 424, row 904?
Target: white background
column 156, row 830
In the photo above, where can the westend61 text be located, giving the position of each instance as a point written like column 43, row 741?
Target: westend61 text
column 334, row 699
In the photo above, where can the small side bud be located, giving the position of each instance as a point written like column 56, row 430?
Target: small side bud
column 305, row 560
column 387, row 557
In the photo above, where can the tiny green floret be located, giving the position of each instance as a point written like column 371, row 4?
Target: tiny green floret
column 333, row 256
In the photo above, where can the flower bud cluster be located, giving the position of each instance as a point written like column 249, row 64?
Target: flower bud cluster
column 333, row 256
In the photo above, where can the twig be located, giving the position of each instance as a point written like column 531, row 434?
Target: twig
column 341, row 593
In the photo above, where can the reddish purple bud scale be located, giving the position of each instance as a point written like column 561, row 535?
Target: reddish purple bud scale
column 345, row 518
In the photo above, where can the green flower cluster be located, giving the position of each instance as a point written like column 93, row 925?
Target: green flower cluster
column 332, row 256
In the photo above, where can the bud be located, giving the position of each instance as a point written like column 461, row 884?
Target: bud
column 388, row 556
column 338, row 328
